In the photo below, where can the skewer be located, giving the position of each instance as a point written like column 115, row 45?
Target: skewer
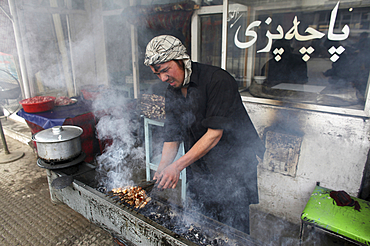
column 135, row 197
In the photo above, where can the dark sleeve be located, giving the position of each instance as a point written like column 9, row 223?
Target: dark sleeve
column 222, row 93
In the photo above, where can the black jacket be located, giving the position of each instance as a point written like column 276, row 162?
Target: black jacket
column 213, row 101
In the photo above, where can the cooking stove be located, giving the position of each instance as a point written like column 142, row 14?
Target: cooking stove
column 61, row 164
column 158, row 223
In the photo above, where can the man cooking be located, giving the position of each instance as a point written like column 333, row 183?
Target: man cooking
column 204, row 110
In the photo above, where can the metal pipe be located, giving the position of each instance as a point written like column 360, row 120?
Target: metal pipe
column 135, row 59
column 9, row 17
column 71, row 55
column 225, row 12
column 73, row 69
column 6, row 150
column 19, row 45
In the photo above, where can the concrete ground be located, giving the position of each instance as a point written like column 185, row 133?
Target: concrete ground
column 27, row 215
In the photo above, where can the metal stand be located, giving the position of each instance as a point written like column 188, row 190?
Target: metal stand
column 152, row 162
column 10, row 90
column 6, row 156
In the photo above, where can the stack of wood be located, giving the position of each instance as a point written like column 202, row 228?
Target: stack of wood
column 152, row 106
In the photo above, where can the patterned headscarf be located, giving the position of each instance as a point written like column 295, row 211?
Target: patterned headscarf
column 165, row 48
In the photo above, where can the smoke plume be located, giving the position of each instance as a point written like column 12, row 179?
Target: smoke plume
column 117, row 127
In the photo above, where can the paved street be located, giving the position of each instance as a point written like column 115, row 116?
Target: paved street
column 27, row 215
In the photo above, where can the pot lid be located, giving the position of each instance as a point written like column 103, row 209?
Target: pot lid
column 58, row 134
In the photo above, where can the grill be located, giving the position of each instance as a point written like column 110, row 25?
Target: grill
column 158, row 223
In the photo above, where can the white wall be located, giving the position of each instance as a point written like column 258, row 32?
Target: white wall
column 333, row 152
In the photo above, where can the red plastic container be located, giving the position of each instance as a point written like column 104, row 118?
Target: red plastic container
column 46, row 104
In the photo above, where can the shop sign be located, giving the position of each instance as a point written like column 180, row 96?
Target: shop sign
column 310, row 34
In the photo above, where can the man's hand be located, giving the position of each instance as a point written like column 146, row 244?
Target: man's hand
column 168, row 177
column 157, row 174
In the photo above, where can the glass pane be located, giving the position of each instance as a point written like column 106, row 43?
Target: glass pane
column 118, row 50
column 237, row 58
column 300, row 56
column 210, row 43
column 50, row 69
column 78, row 4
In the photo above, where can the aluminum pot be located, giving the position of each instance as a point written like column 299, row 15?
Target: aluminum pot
column 59, row 143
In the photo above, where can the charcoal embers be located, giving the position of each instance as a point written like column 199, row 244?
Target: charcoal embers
column 172, row 220
column 197, row 235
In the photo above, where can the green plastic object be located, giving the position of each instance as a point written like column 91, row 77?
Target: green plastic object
column 322, row 211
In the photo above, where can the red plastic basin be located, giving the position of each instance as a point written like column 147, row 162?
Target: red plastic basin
column 45, row 103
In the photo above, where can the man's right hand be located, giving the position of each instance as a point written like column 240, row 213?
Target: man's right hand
column 168, row 178
column 157, row 174
column 169, row 153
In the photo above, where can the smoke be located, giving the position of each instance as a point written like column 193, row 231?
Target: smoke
column 118, row 127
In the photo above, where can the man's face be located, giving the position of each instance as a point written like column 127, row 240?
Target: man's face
column 170, row 72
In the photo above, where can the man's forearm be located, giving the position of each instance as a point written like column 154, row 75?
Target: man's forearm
column 169, row 153
column 200, row 148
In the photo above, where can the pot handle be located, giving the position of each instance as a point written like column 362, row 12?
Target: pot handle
column 56, row 130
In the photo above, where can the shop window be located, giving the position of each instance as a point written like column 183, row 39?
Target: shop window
column 305, row 60
column 211, row 34
column 314, row 56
